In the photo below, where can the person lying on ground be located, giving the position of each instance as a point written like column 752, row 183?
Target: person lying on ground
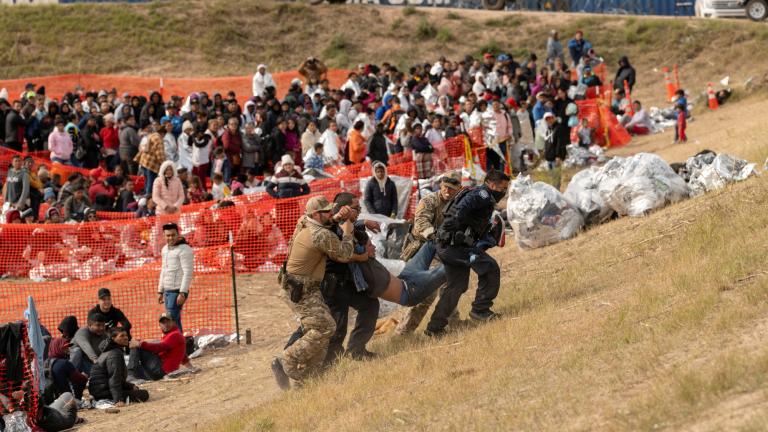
column 153, row 360
column 109, row 375
column 86, row 344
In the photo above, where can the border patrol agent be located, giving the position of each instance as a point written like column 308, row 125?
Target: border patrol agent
column 300, row 279
column 461, row 243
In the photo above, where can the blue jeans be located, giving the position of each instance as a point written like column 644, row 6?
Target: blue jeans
column 61, row 161
column 419, row 278
column 173, row 308
column 149, row 180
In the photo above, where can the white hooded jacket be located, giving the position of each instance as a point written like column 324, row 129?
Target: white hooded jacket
column 261, row 82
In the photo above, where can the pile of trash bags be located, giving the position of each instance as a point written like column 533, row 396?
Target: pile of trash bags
column 635, row 186
column 540, row 215
column 707, row 171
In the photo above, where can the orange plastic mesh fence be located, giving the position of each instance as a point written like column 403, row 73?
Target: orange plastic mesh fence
column 9, row 384
column 58, row 85
column 71, row 261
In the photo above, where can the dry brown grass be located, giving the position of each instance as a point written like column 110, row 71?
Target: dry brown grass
column 640, row 324
column 222, row 38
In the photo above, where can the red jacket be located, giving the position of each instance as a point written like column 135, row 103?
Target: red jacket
column 171, row 349
column 100, row 188
column 109, row 136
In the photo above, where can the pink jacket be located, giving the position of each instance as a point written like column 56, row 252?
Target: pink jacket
column 171, row 195
column 60, row 145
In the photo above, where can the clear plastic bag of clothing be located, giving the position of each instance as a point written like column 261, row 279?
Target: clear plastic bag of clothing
column 16, row 422
column 583, row 193
column 714, row 173
column 640, row 184
column 540, row 215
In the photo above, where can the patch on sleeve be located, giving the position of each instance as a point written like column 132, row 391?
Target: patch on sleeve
column 484, row 194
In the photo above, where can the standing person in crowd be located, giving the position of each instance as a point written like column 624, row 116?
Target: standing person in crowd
column 357, row 145
column 422, row 150
column 176, row 274
column 287, row 182
column 377, row 151
column 170, row 146
column 60, row 143
column 17, row 186
column 90, row 141
column 232, row 141
column 380, row 192
column 153, row 360
column 14, row 127
column 502, row 137
column 185, row 146
column 86, row 342
column 109, row 377
column 111, row 141
column 578, row 47
column 428, row 218
column 462, row 240
column 554, row 49
column 113, row 317
column 129, row 144
column 545, row 139
column 625, row 73
column 76, row 205
column 310, row 137
column 682, row 124
column 167, row 190
column 150, row 159
column 253, row 149
column 300, row 279
column 261, row 81
column 202, row 143
column 312, row 69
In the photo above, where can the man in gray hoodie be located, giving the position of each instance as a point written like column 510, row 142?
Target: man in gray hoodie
column 16, row 189
column 85, row 349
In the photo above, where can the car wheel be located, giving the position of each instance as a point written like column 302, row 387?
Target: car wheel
column 757, row 10
column 494, row 4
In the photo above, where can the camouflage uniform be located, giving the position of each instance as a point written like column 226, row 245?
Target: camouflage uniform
column 429, row 216
column 310, row 245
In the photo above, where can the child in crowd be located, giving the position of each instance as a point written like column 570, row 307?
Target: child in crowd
column 220, row 190
column 146, row 208
column 220, row 164
column 681, row 124
column 195, row 192
column 126, row 200
column 238, row 184
column 316, row 160
column 584, row 133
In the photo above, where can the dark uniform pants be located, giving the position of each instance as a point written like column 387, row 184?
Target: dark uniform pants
column 457, row 262
column 345, row 297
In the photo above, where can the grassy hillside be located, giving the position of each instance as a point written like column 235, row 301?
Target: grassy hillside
column 640, row 324
column 219, row 37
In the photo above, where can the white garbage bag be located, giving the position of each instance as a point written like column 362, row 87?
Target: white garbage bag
column 577, row 156
column 721, row 170
column 640, row 184
column 540, row 215
column 583, row 193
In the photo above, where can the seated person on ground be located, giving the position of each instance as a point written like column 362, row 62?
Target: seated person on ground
column 109, row 377
column 68, row 327
column 153, row 360
column 60, row 374
column 85, row 349
column 113, row 317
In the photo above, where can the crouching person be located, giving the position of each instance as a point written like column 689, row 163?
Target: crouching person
column 152, row 360
column 109, row 375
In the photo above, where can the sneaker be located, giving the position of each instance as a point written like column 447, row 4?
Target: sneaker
column 83, row 404
column 362, row 355
column 193, row 369
column 486, row 315
column 434, row 333
column 280, row 376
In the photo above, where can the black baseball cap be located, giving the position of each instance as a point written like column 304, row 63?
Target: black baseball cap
column 104, row 292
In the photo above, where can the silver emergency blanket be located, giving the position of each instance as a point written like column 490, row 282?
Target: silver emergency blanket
column 708, row 172
column 540, row 215
column 583, row 193
column 581, row 156
column 640, row 184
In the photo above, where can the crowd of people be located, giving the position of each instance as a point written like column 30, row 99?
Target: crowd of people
column 202, row 147
column 92, row 357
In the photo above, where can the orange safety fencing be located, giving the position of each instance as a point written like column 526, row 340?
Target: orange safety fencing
column 71, row 261
column 58, row 85
column 608, row 132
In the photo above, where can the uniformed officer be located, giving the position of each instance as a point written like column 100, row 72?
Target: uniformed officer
column 428, row 218
column 300, row 278
column 461, row 243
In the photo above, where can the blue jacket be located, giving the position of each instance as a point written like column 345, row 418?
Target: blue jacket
column 578, row 49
